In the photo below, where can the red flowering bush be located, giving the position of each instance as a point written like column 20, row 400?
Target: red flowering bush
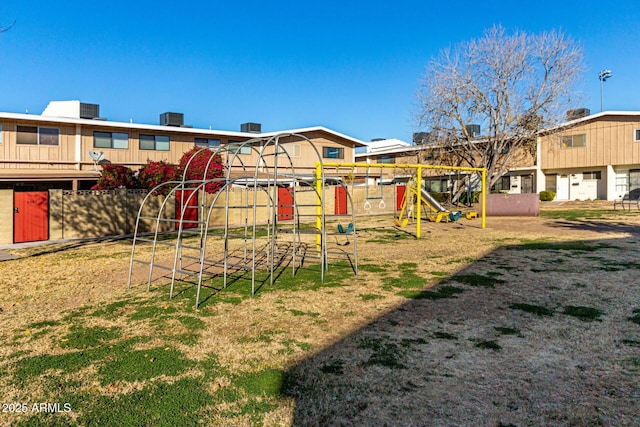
column 115, row 176
column 198, row 165
column 155, row 173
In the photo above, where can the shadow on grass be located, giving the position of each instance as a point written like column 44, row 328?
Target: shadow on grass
column 515, row 353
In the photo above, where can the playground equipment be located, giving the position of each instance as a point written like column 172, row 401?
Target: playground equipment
column 418, row 179
column 409, row 210
column 437, row 213
column 257, row 234
column 380, row 197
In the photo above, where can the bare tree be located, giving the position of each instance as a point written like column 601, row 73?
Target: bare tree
column 3, row 28
column 511, row 85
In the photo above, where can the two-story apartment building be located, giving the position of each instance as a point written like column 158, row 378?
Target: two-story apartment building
column 520, row 177
column 52, row 150
column 593, row 157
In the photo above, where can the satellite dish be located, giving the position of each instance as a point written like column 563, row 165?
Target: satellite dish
column 97, row 157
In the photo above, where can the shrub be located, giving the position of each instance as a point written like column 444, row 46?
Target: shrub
column 115, row 176
column 198, row 165
column 475, row 197
column 155, row 173
column 547, row 195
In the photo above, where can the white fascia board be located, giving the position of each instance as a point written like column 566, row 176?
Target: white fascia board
column 122, row 125
column 590, row 117
column 395, row 150
column 313, row 129
column 168, row 129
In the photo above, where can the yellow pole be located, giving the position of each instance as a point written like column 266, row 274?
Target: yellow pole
column 419, row 168
column 484, row 198
column 419, row 197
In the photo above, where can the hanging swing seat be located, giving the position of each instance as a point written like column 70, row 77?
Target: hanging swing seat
column 455, row 216
column 471, row 215
column 349, row 229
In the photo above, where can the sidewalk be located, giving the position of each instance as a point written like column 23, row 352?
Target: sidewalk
column 5, row 256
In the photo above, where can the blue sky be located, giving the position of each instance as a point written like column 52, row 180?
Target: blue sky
column 350, row 66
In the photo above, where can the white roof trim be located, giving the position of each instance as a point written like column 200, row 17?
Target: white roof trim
column 169, row 129
column 591, row 117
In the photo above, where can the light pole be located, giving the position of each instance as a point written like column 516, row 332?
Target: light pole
column 603, row 76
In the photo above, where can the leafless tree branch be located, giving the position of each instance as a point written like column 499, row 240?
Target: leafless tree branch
column 512, row 85
column 3, row 28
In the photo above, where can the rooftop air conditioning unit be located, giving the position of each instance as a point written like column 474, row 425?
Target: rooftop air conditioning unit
column 577, row 113
column 420, row 137
column 251, row 127
column 89, row 111
column 473, row 130
column 172, row 119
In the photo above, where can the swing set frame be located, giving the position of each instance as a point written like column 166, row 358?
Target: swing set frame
column 418, row 168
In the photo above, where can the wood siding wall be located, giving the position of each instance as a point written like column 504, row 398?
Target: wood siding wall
column 64, row 155
column 610, row 141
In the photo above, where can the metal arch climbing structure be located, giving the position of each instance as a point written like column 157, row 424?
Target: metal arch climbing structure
column 265, row 242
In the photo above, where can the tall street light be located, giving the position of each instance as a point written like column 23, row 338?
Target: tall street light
column 603, row 76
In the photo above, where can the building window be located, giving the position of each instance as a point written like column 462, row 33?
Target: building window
column 291, row 150
column 386, row 159
column 0, row 133
column 237, row 147
column 207, row 142
column 33, row 135
column 550, row 183
column 437, row 185
column 636, row 134
column 592, row 175
column 502, row 184
column 111, row 140
column 634, row 179
column 622, row 182
column 569, row 141
column 154, row 142
column 333, row 152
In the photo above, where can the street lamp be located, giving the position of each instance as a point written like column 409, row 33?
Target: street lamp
column 603, row 76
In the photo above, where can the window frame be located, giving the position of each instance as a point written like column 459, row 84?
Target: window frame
column 436, row 185
column 327, row 150
column 157, row 139
column 564, row 141
column 112, row 140
column 636, row 135
column 237, row 147
column 292, row 150
column 499, row 185
column 39, row 135
column 207, row 142
column 0, row 133
column 386, row 160
column 592, row 175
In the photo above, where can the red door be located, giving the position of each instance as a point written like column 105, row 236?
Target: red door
column 285, row 204
column 341, row 201
column 31, row 216
column 191, row 211
column 400, row 190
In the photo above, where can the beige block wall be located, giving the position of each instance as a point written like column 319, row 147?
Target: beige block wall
column 6, row 217
column 56, row 217
column 95, row 214
column 81, row 215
